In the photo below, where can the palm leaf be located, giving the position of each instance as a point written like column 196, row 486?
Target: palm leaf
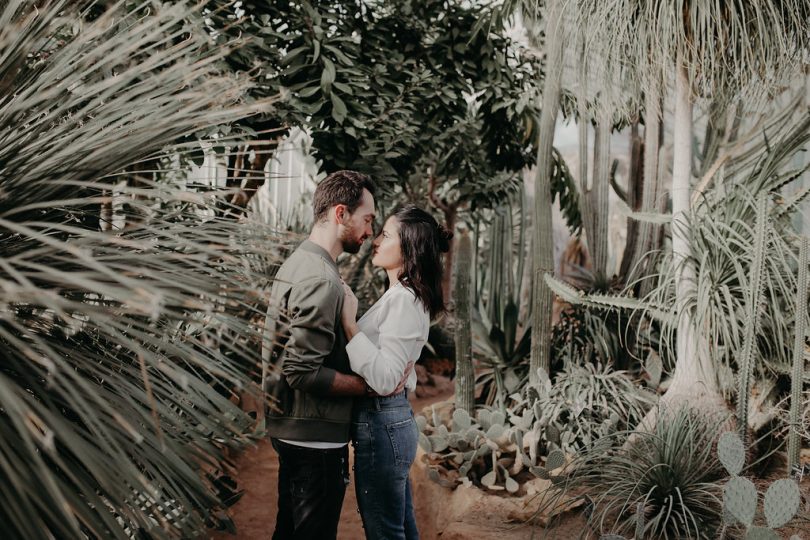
column 113, row 342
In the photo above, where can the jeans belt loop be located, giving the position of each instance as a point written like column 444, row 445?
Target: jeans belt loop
column 377, row 405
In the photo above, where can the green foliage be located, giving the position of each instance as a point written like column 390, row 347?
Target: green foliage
column 119, row 348
column 585, row 403
column 669, row 473
column 484, row 450
column 494, row 449
column 499, row 284
column 723, row 253
column 387, row 88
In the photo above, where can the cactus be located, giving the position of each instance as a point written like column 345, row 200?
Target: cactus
column 465, row 378
column 461, row 420
column 731, row 452
column 782, row 501
column 761, row 533
column 794, row 440
column 740, row 498
column 490, row 446
column 752, row 317
column 640, row 522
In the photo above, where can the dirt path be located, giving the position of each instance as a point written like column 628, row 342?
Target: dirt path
column 255, row 513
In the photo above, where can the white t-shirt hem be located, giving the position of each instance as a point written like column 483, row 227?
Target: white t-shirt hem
column 315, row 444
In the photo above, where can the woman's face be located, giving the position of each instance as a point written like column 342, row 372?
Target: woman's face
column 386, row 248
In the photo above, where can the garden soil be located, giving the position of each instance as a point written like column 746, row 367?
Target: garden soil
column 257, row 472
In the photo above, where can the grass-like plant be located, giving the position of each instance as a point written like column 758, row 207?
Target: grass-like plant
column 670, row 474
column 111, row 338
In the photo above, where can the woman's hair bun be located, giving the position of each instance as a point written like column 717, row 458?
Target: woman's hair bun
column 445, row 235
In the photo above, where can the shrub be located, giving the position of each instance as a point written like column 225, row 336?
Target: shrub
column 670, row 474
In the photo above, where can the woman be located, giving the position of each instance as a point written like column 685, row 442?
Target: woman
column 383, row 345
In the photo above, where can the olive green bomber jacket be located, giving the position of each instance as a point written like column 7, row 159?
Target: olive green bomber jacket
column 303, row 325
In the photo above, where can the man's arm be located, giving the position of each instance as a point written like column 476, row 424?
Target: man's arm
column 311, row 306
column 347, row 385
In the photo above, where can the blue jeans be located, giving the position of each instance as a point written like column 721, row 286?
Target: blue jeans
column 384, row 436
column 311, row 486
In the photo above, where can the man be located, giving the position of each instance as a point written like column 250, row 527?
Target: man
column 310, row 419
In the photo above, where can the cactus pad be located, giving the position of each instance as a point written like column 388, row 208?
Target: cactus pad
column 555, row 460
column 461, row 420
column 731, row 452
column 740, row 498
column 761, row 533
column 782, row 501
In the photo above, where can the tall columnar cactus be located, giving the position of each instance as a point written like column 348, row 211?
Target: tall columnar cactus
column 752, row 317
column 465, row 378
column 797, row 375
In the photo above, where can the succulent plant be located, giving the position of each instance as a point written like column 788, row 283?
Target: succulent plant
column 731, row 452
column 782, row 499
column 491, row 448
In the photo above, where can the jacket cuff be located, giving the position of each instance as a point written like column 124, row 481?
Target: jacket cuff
column 322, row 381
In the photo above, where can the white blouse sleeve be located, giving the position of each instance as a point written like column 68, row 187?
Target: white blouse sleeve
column 401, row 340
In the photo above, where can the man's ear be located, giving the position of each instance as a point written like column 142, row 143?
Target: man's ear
column 340, row 213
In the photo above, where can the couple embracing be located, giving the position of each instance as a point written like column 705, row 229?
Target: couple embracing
column 345, row 379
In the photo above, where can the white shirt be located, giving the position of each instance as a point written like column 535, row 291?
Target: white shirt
column 392, row 333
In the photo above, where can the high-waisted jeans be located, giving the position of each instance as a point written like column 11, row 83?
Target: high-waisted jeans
column 384, row 436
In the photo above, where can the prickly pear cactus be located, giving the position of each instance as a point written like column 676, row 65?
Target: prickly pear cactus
column 782, row 501
column 761, row 533
column 740, row 498
column 491, row 448
column 731, row 452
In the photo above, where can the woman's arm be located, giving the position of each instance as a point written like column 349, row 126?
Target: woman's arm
column 402, row 335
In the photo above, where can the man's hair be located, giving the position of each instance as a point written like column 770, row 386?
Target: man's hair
column 340, row 187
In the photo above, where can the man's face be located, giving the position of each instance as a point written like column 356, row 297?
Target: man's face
column 357, row 226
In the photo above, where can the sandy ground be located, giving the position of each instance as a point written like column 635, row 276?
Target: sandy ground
column 255, row 513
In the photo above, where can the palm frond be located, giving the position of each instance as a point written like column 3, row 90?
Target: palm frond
column 120, row 349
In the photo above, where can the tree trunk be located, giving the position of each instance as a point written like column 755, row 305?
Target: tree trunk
column 543, row 256
column 694, row 375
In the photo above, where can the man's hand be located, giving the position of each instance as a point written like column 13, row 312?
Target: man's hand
column 402, row 383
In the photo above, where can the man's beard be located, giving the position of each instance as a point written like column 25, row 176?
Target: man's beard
column 351, row 244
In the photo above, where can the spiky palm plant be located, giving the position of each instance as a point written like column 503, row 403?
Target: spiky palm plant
column 110, row 341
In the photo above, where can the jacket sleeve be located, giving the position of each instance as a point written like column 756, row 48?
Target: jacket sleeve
column 401, row 339
column 313, row 307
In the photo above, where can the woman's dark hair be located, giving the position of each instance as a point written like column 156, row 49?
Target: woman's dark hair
column 422, row 241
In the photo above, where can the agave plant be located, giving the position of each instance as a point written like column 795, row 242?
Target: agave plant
column 111, row 340
column 663, row 482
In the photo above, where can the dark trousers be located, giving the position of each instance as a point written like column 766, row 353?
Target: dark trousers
column 311, row 486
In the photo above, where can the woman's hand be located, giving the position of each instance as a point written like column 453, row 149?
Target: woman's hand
column 349, row 314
